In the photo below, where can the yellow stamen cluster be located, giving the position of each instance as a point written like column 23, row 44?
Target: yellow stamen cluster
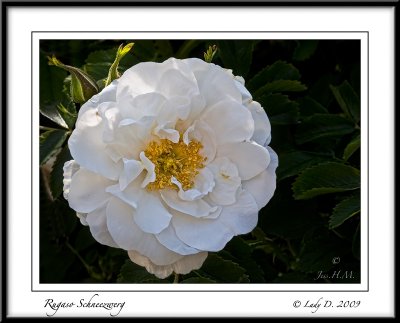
column 174, row 160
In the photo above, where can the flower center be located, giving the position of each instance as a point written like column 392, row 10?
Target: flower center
column 174, row 160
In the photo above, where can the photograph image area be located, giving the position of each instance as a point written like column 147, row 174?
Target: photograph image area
column 200, row 161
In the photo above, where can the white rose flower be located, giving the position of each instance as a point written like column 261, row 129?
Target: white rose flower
column 170, row 162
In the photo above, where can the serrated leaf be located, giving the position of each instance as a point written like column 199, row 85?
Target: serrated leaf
column 351, row 148
column 57, row 173
column 320, row 90
column 223, row 270
column 277, row 71
column 280, row 110
column 198, row 280
column 292, row 163
column 320, row 126
column 132, row 273
column 348, row 100
column 50, row 141
column 99, row 62
column 344, row 211
column 318, row 250
column 305, row 49
column 236, row 55
column 280, row 86
column 309, row 106
column 325, row 178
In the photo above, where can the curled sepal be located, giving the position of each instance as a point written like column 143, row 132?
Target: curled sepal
column 210, row 53
column 83, row 87
column 113, row 71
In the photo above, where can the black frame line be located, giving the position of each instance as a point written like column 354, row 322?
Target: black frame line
column 205, row 3
column 204, row 290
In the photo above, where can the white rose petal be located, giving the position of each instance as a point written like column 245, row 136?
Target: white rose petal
column 170, row 162
column 88, row 191
column 182, row 266
column 244, row 154
column 97, row 222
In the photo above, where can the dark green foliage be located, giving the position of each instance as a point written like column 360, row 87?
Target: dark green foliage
column 310, row 90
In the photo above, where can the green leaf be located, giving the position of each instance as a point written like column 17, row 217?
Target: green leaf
column 280, row 110
column 280, row 86
column 223, row 270
column 351, row 148
column 344, row 211
column 113, row 71
column 288, row 218
column 325, row 178
column 318, row 250
column 132, row 273
column 51, row 91
column 198, row 280
column 98, row 63
column 50, row 141
column 320, row 90
column 305, row 49
column 236, row 55
column 277, row 71
column 308, row 106
column 67, row 109
column 83, row 87
column 348, row 100
column 294, row 162
column 57, row 173
column 241, row 253
column 320, row 126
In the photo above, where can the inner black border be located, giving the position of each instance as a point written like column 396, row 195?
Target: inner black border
column 205, row 290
